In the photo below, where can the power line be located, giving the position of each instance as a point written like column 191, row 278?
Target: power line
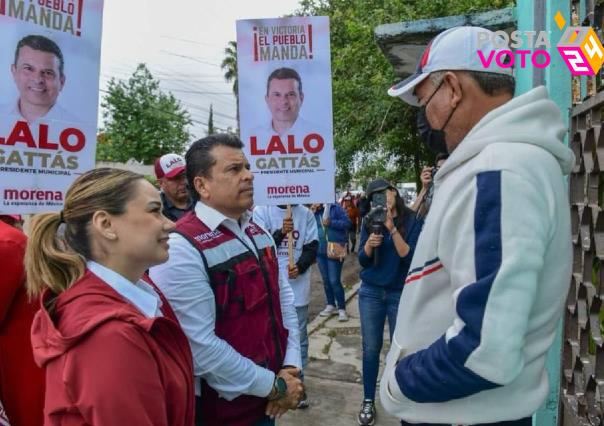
column 190, row 103
column 195, row 92
column 184, row 40
column 177, row 116
column 192, row 58
column 185, row 86
column 216, row 99
column 207, row 110
column 162, row 79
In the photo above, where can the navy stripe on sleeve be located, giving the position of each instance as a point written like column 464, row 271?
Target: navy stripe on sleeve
column 438, row 373
column 425, row 265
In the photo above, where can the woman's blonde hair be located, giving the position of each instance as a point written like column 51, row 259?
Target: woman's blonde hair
column 57, row 261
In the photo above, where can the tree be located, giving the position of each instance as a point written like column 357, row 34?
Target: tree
column 140, row 121
column 367, row 122
column 229, row 66
column 211, row 129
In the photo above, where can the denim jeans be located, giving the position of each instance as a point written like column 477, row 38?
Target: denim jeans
column 375, row 305
column 302, row 312
column 527, row 421
column 331, row 271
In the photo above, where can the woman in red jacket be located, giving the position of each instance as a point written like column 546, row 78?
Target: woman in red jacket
column 112, row 348
column 21, row 381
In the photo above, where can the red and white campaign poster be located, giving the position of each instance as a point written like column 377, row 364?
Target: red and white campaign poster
column 49, row 88
column 284, row 72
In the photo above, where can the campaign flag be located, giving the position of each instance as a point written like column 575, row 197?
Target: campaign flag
column 285, row 108
column 49, row 89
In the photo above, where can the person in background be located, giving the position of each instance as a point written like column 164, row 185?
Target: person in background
column 332, row 225
column 421, row 205
column 111, row 347
column 364, row 205
column 14, row 220
column 21, row 380
column 235, row 307
column 353, row 215
column 385, row 253
column 170, row 174
column 304, row 230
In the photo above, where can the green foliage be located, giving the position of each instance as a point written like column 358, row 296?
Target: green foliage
column 152, row 180
column 369, row 126
column 140, row 121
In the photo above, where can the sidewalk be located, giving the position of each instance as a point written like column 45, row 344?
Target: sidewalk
column 333, row 375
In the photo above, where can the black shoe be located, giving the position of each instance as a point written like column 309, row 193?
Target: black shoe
column 366, row 416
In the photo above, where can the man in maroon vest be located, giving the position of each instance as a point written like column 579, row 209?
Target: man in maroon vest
column 222, row 279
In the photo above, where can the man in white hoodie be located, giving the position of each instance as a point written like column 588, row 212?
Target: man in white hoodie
column 491, row 270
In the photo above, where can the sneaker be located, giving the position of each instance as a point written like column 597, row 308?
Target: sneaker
column 303, row 402
column 328, row 311
column 342, row 315
column 366, row 416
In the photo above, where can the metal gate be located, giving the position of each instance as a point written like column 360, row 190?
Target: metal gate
column 582, row 375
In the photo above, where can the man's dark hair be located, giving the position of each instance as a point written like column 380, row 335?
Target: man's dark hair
column 284, row 74
column 199, row 159
column 494, row 84
column 43, row 44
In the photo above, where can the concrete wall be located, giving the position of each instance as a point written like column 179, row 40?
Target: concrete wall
column 131, row 166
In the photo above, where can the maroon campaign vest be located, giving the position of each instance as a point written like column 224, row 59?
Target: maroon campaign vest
column 248, row 309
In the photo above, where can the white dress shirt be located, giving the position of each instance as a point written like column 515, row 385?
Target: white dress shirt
column 300, row 127
column 55, row 113
column 140, row 294
column 184, row 281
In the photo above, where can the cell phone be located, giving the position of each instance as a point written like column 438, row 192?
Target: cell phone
column 378, row 199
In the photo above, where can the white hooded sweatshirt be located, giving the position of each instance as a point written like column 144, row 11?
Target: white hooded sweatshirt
column 489, row 276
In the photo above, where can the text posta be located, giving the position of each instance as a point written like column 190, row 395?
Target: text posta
column 70, row 139
column 312, row 143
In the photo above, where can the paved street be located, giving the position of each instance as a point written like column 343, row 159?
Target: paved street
column 333, row 376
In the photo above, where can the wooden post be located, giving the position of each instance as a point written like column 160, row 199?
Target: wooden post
column 290, row 239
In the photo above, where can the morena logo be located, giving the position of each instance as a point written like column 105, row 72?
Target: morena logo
column 288, row 189
column 32, row 195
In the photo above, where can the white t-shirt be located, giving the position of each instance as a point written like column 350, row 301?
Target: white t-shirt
column 305, row 231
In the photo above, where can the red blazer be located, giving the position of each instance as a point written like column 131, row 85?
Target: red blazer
column 21, row 380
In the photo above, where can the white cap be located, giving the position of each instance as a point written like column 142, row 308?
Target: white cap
column 169, row 166
column 458, row 48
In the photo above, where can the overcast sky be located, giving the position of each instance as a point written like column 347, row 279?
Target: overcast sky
column 182, row 43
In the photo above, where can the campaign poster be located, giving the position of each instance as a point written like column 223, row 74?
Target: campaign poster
column 49, row 89
column 285, row 107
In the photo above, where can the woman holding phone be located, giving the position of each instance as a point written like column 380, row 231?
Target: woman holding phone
column 388, row 237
